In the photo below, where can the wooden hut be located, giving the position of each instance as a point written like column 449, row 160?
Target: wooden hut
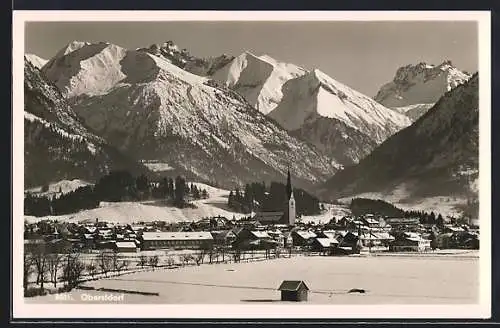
column 293, row 290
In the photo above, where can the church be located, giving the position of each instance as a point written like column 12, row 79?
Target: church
column 287, row 216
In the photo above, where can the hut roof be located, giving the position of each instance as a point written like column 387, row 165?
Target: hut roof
column 292, row 285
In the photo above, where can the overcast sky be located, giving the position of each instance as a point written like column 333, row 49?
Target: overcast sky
column 363, row 55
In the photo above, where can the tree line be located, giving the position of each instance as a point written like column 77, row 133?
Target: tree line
column 116, row 186
column 257, row 196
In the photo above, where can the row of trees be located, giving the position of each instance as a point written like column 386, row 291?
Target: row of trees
column 257, row 196
column 52, row 267
column 114, row 187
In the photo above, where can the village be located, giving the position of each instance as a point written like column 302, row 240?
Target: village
column 342, row 236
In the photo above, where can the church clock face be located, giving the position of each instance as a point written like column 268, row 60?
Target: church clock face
column 292, row 203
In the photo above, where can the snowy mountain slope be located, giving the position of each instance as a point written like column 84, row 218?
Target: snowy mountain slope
column 436, row 156
column 258, row 79
column 154, row 110
column 83, row 68
column 183, row 59
column 35, row 60
column 56, row 144
column 317, row 94
column 420, row 84
column 304, row 102
column 345, row 124
column 334, row 137
column 413, row 111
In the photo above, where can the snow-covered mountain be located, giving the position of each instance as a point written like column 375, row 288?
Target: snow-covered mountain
column 56, row 144
column 156, row 111
column 420, row 85
column 437, row 156
column 35, row 60
column 183, row 59
column 259, row 79
column 340, row 121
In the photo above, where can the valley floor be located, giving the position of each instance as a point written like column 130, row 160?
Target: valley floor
column 425, row 279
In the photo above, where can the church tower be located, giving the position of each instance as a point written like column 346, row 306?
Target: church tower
column 290, row 209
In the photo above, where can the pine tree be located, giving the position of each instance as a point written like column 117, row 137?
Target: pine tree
column 230, row 200
column 180, row 190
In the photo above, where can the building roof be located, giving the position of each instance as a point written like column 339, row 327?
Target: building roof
column 260, row 234
column 292, row 285
column 188, row 235
column 327, row 242
column 305, row 234
column 268, row 216
column 125, row 244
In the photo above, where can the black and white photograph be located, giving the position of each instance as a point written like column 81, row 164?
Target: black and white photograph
column 294, row 164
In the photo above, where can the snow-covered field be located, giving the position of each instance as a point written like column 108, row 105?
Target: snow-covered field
column 147, row 211
column 386, row 280
column 128, row 212
column 337, row 211
column 447, row 206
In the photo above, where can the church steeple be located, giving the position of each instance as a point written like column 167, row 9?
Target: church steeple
column 290, row 207
column 288, row 185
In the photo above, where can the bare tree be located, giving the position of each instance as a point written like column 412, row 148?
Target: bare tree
column 54, row 263
column 170, row 261
column 122, row 265
column 73, row 269
column 28, row 269
column 186, row 258
column 153, row 261
column 143, row 260
column 91, row 269
column 198, row 258
column 39, row 257
column 236, row 255
column 104, row 262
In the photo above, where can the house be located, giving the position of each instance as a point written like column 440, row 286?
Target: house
column 402, row 222
column 253, row 239
column 410, row 241
column 224, row 237
column 287, row 239
column 293, row 290
column 370, row 222
column 376, row 238
column 349, row 242
column 453, row 229
column 302, row 237
column 191, row 240
column 277, row 236
column 269, row 218
column 33, row 245
column 125, row 247
column 324, row 245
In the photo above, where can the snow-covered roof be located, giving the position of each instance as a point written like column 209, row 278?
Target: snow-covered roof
column 125, row 244
column 327, row 242
column 260, row 234
column 177, row 235
column 305, row 234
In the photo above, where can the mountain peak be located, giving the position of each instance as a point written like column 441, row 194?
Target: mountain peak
column 35, row 60
column 72, row 46
column 421, row 83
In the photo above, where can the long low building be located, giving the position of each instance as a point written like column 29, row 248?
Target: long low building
column 193, row 240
